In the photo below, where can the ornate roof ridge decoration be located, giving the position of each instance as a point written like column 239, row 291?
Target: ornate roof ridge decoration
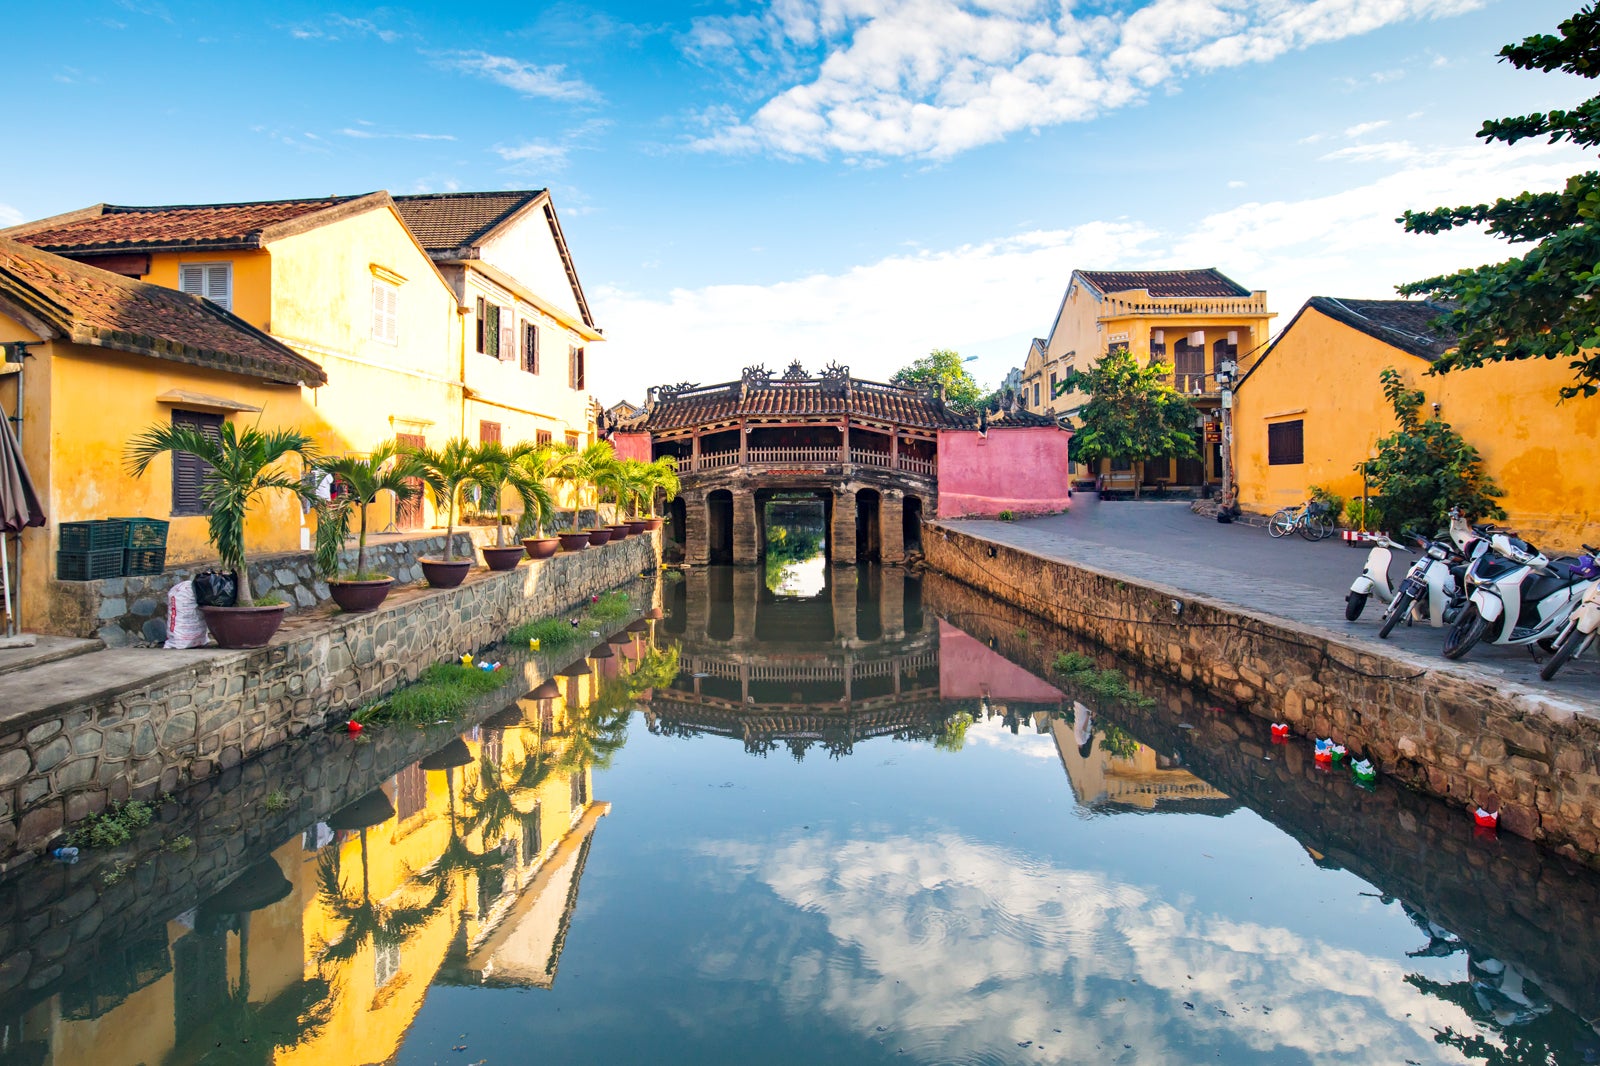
column 755, row 377
column 796, row 373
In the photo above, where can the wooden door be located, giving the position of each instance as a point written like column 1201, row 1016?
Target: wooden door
column 409, row 514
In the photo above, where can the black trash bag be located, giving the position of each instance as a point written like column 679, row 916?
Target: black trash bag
column 213, row 589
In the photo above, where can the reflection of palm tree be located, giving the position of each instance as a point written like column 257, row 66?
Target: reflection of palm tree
column 593, row 736
column 457, row 857
column 363, row 919
column 252, row 1032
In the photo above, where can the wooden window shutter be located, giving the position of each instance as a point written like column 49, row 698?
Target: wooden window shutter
column 480, row 320
column 580, row 369
column 385, row 311
column 192, row 279
column 530, row 347
column 488, row 432
column 541, row 436
column 508, row 335
column 491, row 332
column 1286, row 443
column 188, row 472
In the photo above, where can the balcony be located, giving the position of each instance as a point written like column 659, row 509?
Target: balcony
column 1196, row 384
column 1139, row 304
column 811, row 456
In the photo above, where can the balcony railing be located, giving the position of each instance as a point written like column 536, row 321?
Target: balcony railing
column 713, row 460
column 868, row 457
column 1141, row 303
column 1195, row 384
column 810, row 456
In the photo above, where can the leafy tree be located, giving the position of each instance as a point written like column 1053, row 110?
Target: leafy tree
column 1538, row 306
column 1425, row 467
column 945, row 367
column 1132, row 413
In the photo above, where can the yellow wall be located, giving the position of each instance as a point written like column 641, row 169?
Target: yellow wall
column 252, row 279
column 1326, row 374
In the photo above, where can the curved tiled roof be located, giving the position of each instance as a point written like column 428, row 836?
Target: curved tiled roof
column 1208, row 281
column 446, row 221
column 95, row 307
column 861, row 399
column 108, row 227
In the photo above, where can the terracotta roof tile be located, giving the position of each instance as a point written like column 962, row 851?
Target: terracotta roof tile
column 108, row 227
column 1165, row 283
column 95, row 307
column 446, row 221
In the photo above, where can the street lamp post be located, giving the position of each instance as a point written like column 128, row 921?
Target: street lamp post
column 1226, row 369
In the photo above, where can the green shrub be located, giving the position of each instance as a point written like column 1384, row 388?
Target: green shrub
column 1080, row 670
column 442, row 691
column 113, row 826
column 1008, row 516
column 1374, row 515
column 1332, row 500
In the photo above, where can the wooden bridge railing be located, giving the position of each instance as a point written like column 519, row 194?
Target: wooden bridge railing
column 805, row 456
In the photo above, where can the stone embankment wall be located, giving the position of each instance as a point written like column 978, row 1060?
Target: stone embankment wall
column 1470, row 740
column 62, row 760
column 1500, row 896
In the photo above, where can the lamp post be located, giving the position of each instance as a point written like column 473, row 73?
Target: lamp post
column 1226, row 369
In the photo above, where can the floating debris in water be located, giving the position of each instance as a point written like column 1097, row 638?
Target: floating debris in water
column 1280, row 732
column 1185, row 725
column 1323, row 752
column 1364, row 770
column 466, row 659
column 1486, row 819
column 353, row 727
column 1338, row 752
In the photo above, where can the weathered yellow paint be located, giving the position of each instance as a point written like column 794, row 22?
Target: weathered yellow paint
column 1326, row 374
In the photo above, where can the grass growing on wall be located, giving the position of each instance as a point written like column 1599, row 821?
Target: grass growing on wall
column 554, row 634
column 1080, row 670
column 441, row 692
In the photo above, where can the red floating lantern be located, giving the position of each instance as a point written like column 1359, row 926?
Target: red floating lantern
column 353, row 727
column 1486, row 819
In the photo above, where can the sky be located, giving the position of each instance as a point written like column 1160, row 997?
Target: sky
column 850, row 181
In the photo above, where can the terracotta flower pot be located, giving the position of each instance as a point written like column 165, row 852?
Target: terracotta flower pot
column 543, row 547
column 652, row 524
column 243, row 627
column 574, row 542
column 619, row 531
column 445, row 575
column 600, row 536
column 637, row 526
column 503, row 558
column 353, row 597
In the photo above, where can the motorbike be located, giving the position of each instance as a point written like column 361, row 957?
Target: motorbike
column 1517, row 596
column 1579, row 632
column 1374, row 578
column 1432, row 589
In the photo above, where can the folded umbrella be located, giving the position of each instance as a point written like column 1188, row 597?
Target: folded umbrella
column 19, row 509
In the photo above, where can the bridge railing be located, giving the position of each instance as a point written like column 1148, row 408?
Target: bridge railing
column 795, row 454
column 918, row 466
column 811, row 455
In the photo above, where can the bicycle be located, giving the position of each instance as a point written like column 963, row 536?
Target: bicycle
column 1310, row 518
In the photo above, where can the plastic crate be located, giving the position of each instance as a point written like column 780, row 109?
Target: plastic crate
column 144, row 533
column 144, row 560
column 89, row 566
column 79, row 538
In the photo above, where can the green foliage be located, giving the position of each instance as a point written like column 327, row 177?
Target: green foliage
column 446, row 472
column 944, row 367
column 1116, row 742
column 553, row 634
column 639, row 481
column 270, row 599
column 182, row 842
column 276, row 800
column 1330, row 499
column 1132, row 413
column 389, row 468
column 1072, row 662
column 1080, row 670
column 1008, row 516
column 244, row 464
column 442, row 691
column 1540, row 305
column 952, row 736
column 520, row 469
column 1425, row 468
column 113, row 826
column 787, row 545
column 1353, row 515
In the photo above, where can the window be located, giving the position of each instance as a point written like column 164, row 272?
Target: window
column 1286, row 443
column 385, row 963
column 532, row 835
column 488, row 433
column 214, row 281
column 491, row 332
column 508, row 334
column 541, row 436
column 385, row 312
column 478, row 319
column 410, row 792
column 572, row 439
column 1036, row 394
column 188, row 472
column 530, row 347
column 1052, row 383
column 574, row 367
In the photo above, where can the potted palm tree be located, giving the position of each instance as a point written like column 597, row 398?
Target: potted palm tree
column 501, row 470
column 569, row 468
column 387, row 469
column 601, row 466
column 660, row 475
column 245, row 466
column 446, row 472
column 538, row 466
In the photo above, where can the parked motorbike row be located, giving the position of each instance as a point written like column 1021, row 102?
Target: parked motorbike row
column 1481, row 584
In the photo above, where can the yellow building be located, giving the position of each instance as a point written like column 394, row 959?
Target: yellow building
column 1192, row 319
column 1138, row 779
column 1311, row 409
column 102, row 358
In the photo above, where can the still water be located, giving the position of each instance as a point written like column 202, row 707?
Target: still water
column 842, row 817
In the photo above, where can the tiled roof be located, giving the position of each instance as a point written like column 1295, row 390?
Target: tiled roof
column 446, row 221
column 1165, row 283
column 1406, row 324
column 107, row 227
column 864, row 400
column 95, row 307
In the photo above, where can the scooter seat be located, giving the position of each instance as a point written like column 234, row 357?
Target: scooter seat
column 1542, row 585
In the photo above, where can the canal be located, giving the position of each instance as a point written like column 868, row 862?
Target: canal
column 794, row 814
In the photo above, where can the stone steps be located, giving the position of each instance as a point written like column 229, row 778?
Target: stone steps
column 45, row 649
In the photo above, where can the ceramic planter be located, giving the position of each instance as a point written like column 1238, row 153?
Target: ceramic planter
column 599, row 536
column 543, row 547
column 445, row 575
column 619, row 531
column 652, row 524
column 503, row 558
column 574, row 542
column 637, row 526
column 243, row 627
column 354, row 597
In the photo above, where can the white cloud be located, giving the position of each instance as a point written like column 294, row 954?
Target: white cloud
column 1379, row 152
column 374, row 135
column 534, row 156
column 529, row 79
column 9, row 216
column 1361, row 129
column 989, row 299
column 936, row 77
column 1236, row 184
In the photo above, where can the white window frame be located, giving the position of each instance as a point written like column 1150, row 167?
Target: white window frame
column 207, row 274
column 385, row 311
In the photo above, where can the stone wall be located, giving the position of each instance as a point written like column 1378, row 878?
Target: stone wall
column 63, row 759
column 1467, row 740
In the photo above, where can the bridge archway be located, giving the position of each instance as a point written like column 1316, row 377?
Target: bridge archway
column 911, row 524
column 869, row 527
column 719, row 526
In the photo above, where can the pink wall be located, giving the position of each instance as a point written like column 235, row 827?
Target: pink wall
column 969, row 670
column 631, row 446
column 1022, row 469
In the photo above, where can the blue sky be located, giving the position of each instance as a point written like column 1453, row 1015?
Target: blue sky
column 850, row 180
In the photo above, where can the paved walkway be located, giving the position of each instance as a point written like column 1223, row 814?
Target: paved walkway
column 1292, row 578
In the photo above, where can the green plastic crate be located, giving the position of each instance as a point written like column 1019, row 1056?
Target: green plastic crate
column 145, row 533
column 89, row 566
column 144, row 560
column 80, row 538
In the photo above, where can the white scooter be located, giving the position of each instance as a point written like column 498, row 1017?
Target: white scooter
column 1374, row 579
column 1437, row 569
column 1578, row 633
column 1516, row 595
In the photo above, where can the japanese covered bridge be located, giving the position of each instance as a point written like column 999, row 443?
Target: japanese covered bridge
column 870, row 459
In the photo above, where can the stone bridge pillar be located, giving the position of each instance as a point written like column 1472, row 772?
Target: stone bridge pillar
column 844, row 529
column 696, row 529
column 698, row 598
column 746, row 529
column 746, row 594
column 891, row 527
column 893, row 603
column 843, row 586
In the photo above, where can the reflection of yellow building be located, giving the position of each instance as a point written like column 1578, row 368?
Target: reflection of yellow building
column 1140, row 781
column 461, row 868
